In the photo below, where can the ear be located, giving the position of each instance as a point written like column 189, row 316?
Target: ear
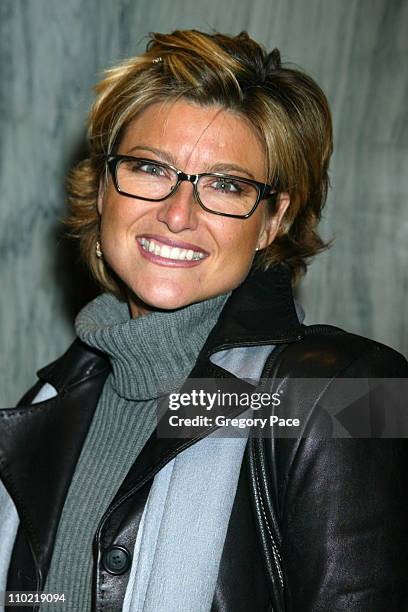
column 272, row 221
column 101, row 195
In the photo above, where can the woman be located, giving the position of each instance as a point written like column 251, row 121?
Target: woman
column 101, row 509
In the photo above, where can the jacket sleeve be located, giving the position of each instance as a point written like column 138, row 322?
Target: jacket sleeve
column 343, row 506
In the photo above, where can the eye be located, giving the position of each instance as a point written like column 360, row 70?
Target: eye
column 148, row 168
column 225, row 185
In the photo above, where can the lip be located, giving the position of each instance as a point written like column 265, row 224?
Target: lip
column 164, row 261
column 173, row 243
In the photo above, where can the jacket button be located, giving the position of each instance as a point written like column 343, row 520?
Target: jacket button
column 116, row 560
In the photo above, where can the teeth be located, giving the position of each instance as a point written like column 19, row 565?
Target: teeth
column 163, row 250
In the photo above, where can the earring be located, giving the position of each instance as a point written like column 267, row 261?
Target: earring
column 98, row 250
column 257, row 249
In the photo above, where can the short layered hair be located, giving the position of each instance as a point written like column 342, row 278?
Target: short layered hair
column 286, row 108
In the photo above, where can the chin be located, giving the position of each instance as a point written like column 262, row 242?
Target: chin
column 163, row 298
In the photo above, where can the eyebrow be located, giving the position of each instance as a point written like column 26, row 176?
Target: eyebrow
column 168, row 158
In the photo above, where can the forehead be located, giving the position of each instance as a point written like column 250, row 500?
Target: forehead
column 192, row 134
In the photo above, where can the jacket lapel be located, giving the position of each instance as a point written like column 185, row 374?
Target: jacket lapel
column 40, row 445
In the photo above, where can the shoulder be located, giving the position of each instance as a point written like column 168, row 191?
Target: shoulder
column 79, row 363
column 338, row 384
column 327, row 351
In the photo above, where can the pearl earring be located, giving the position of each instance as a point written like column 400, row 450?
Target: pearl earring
column 98, row 250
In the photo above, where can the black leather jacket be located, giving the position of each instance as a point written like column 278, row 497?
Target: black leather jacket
column 318, row 524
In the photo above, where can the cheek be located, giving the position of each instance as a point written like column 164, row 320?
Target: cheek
column 116, row 238
column 117, row 217
column 241, row 239
column 237, row 248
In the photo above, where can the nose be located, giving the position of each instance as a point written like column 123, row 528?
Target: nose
column 180, row 211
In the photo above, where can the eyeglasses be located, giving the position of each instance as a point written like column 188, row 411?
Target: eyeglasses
column 220, row 194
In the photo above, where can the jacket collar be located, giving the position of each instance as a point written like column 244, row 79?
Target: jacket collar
column 260, row 311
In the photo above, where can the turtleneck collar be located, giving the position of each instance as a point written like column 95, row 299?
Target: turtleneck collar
column 152, row 354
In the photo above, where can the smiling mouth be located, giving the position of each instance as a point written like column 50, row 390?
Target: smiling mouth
column 169, row 252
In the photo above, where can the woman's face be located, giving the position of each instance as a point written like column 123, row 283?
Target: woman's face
column 194, row 139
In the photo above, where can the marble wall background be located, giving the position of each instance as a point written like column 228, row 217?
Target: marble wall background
column 51, row 55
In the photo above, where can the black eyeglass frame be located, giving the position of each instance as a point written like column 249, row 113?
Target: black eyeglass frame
column 264, row 190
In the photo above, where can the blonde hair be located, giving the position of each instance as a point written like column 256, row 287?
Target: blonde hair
column 284, row 105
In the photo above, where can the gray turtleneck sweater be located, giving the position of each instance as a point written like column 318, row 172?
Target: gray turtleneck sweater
column 150, row 355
